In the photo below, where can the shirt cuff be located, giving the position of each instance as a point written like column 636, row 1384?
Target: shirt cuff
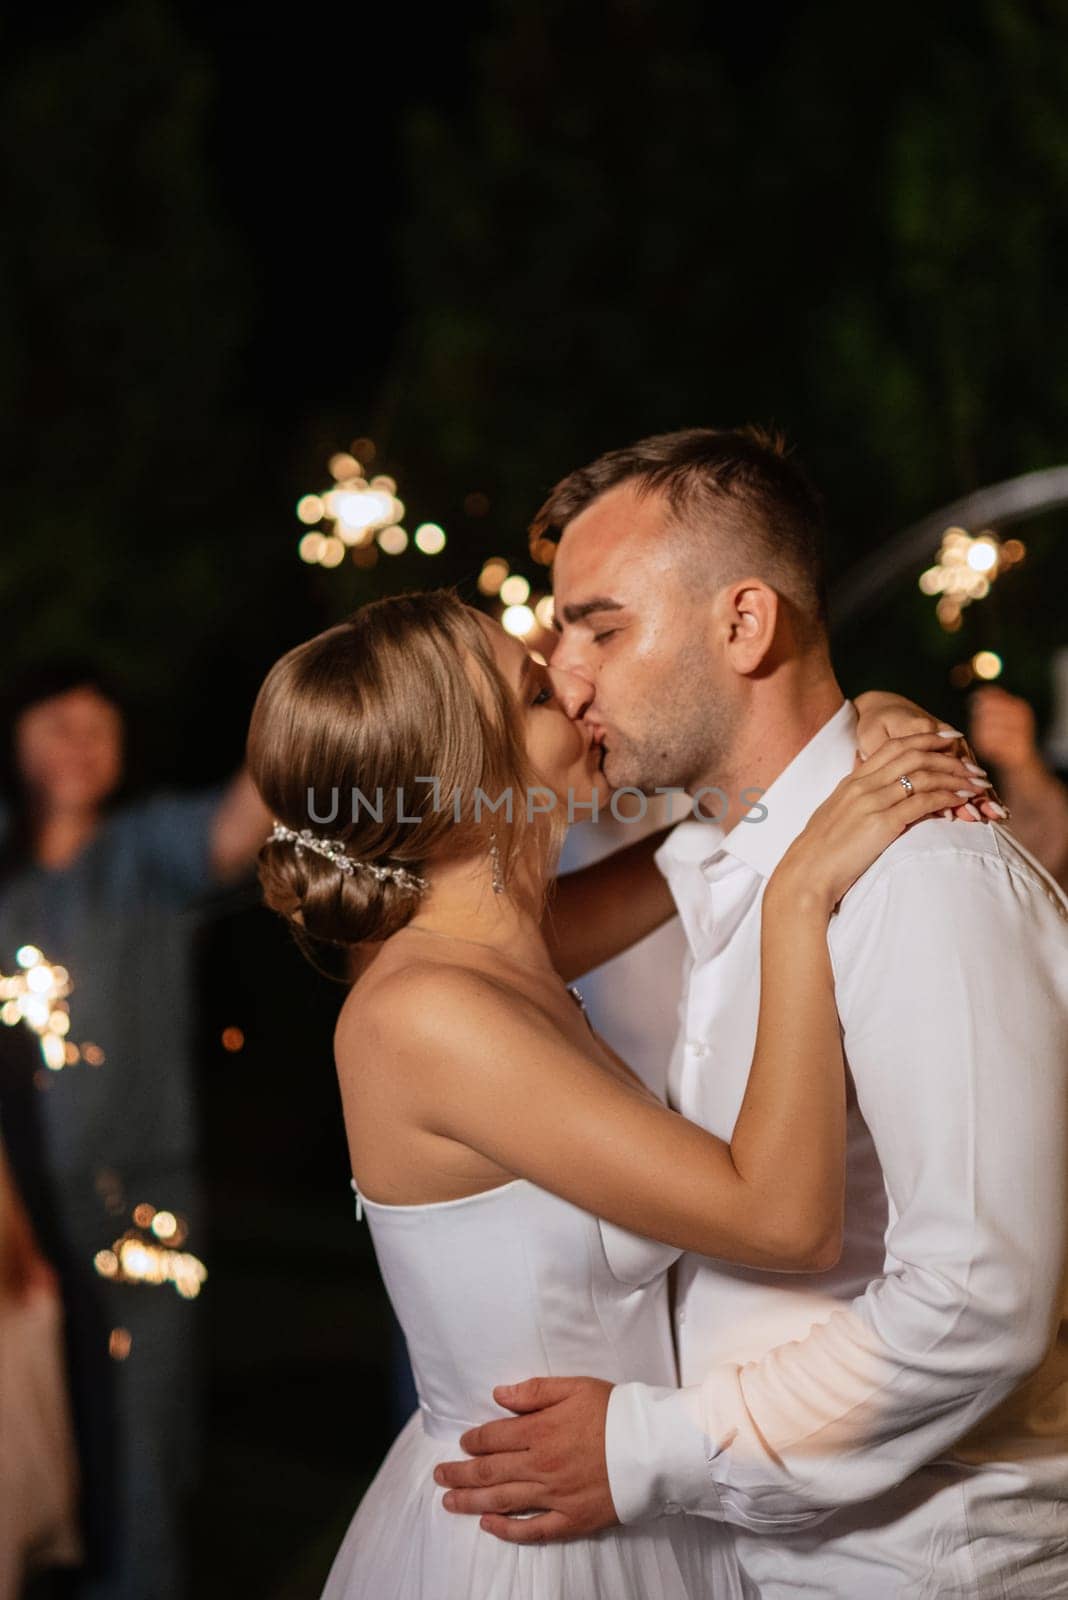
column 658, row 1453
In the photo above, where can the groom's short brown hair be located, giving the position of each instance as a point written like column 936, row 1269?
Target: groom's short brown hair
column 746, row 476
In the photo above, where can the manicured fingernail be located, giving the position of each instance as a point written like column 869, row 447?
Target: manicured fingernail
column 999, row 811
column 947, row 813
column 980, row 783
column 965, row 794
column 971, row 766
column 973, row 812
column 949, row 733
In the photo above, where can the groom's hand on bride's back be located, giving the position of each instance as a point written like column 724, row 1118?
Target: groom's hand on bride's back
column 549, row 1458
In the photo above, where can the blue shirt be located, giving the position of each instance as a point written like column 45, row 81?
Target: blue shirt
column 118, row 918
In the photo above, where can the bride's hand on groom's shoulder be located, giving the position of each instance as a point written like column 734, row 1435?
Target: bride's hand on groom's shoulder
column 906, row 780
column 883, row 715
column 548, row 1459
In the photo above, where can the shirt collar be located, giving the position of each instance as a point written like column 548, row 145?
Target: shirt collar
column 803, row 785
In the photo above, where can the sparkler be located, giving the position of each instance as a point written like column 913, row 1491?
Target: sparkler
column 359, row 515
column 150, row 1252
column 37, row 995
column 965, row 569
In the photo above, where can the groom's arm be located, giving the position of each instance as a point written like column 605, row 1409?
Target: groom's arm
column 601, row 910
column 954, row 1002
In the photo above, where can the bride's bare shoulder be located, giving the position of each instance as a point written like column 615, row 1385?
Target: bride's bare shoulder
column 424, row 997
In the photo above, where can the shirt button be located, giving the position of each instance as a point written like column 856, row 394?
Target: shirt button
column 680, row 1315
column 696, row 1047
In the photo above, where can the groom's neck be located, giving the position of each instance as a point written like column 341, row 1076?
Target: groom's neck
column 782, row 713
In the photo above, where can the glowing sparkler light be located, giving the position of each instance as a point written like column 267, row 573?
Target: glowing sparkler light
column 982, row 556
column 355, row 515
column 149, row 1253
column 964, row 571
column 37, row 996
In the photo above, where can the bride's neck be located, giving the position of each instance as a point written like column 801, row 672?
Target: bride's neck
column 462, row 905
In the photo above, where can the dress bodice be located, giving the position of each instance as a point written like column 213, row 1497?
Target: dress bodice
column 493, row 1288
column 516, row 1283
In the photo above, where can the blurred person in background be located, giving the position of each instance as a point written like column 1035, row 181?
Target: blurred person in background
column 103, row 884
column 1003, row 732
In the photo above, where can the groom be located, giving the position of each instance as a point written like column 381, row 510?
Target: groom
column 897, row 1425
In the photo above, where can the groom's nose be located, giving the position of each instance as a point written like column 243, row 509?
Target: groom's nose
column 573, row 691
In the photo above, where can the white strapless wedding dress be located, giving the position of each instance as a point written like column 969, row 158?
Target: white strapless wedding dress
column 490, row 1289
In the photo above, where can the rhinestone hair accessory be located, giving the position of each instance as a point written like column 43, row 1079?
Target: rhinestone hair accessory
column 333, row 850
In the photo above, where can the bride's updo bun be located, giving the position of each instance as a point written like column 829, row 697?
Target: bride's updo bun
column 348, row 729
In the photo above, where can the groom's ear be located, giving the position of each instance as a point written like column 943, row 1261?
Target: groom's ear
column 750, row 611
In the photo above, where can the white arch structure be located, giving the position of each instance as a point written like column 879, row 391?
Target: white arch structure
column 1000, row 506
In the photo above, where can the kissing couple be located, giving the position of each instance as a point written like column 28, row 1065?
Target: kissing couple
column 796, row 1331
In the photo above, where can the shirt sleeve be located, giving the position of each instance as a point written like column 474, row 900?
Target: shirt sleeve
column 172, row 837
column 952, row 983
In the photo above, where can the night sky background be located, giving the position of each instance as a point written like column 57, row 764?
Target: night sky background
column 496, row 239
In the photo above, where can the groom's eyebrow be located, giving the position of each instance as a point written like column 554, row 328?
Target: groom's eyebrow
column 587, row 607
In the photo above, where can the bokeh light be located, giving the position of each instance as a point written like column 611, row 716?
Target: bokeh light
column 120, row 1343
column 430, row 538
column 544, row 610
column 352, row 513
column 964, row 570
column 393, row 540
column 987, row 664
column 148, row 1253
column 37, row 995
column 494, row 572
column 518, row 621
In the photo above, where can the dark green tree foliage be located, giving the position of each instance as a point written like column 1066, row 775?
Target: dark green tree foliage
column 655, row 214
column 121, row 314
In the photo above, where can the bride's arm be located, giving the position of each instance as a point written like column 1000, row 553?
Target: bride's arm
column 493, row 1072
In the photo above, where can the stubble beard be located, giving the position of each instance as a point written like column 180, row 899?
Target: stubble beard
column 690, row 749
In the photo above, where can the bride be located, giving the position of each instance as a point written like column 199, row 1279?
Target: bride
column 525, row 1192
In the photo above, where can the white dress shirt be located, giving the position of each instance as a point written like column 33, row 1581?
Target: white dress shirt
column 898, row 1425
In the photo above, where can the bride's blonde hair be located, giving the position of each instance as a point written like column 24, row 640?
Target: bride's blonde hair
column 403, row 690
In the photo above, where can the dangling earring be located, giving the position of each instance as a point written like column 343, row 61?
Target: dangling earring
column 495, row 857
